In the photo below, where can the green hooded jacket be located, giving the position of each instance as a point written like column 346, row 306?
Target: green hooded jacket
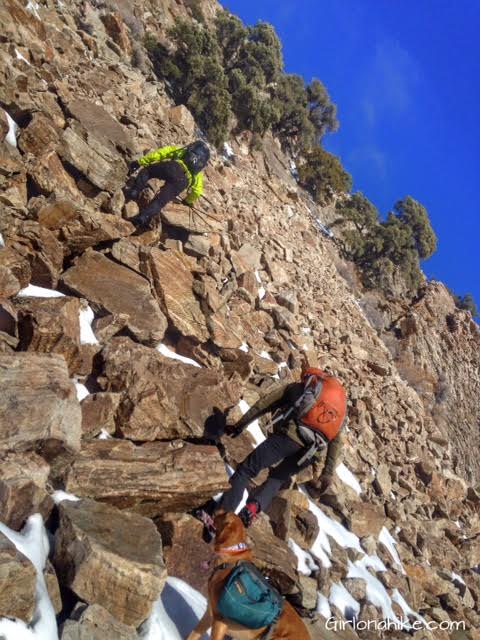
column 195, row 181
column 281, row 398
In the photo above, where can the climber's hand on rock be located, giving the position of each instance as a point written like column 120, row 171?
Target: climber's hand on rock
column 133, row 166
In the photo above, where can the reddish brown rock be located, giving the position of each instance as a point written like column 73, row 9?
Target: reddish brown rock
column 9, row 285
column 185, row 550
column 17, row 582
column 110, row 557
column 16, row 264
column 80, row 228
column 95, row 623
column 23, row 479
column 162, row 398
column 117, row 30
column 49, row 176
column 148, row 479
column 40, row 406
column 117, row 290
column 93, row 156
column 178, row 215
column 173, row 281
column 98, row 413
column 51, row 325
column 42, row 250
column 366, row 519
column 39, row 136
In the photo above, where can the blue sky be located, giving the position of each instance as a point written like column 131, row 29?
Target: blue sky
column 405, row 76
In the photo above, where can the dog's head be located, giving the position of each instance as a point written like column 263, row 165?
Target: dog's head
column 229, row 529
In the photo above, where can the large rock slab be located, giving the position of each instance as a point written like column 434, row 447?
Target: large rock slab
column 113, row 288
column 95, row 623
column 51, row 325
column 93, row 156
column 17, row 582
column 23, row 479
column 173, row 282
column 39, row 404
column 162, row 398
column 97, row 121
column 80, row 228
column 111, row 558
column 148, row 479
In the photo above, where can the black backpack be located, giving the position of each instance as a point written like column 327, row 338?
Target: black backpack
column 196, row 156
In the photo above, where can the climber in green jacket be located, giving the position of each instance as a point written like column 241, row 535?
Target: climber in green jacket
column 179, row 167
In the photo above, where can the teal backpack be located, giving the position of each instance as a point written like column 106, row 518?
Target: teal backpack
column 248, row 599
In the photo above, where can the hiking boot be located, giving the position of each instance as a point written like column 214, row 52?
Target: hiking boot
column 249, row 513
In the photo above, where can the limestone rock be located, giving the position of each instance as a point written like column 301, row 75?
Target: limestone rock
column 111, row 558
column 23, row 479
column 39, row 402
column 162, row 398
column 51, row 325
column 17, row 582
column 148, row 479
column 173, row 282
column 117, row 290
column 95, row 623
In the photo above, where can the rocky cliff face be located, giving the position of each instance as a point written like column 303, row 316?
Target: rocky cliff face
column 93, row 403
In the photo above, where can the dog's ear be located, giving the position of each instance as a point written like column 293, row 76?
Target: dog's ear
column 230, row 529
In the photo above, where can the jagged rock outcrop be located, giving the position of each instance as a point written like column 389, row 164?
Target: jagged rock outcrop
column 162, row 399
column 117, row 290
column 110, row 558
column 39, row 404
column 148, row 479
column 250, row 290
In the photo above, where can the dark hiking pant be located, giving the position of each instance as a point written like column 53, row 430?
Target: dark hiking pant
column 277, row 448
column 175, row 182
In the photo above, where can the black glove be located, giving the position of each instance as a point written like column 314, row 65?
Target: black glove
column 133, row 166
column 235, row 430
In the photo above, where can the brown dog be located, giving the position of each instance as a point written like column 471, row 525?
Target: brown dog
column 230, row 547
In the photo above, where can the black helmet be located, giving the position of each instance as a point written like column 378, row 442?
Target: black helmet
column 196, row 156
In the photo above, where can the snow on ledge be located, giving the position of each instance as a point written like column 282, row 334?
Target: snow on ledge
column 386, row 538
column 348, row 478
column 254, row 427
column 344, row 601
column 19, row 56
column 33, row 7
column 32, row 541
column 86, row 332
column 2, row 241
column 305, row 562
column 82, row 391
column 175, row 613
column 32, row 291
column 59, row 496
column 11, row 136
column 168, row 353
